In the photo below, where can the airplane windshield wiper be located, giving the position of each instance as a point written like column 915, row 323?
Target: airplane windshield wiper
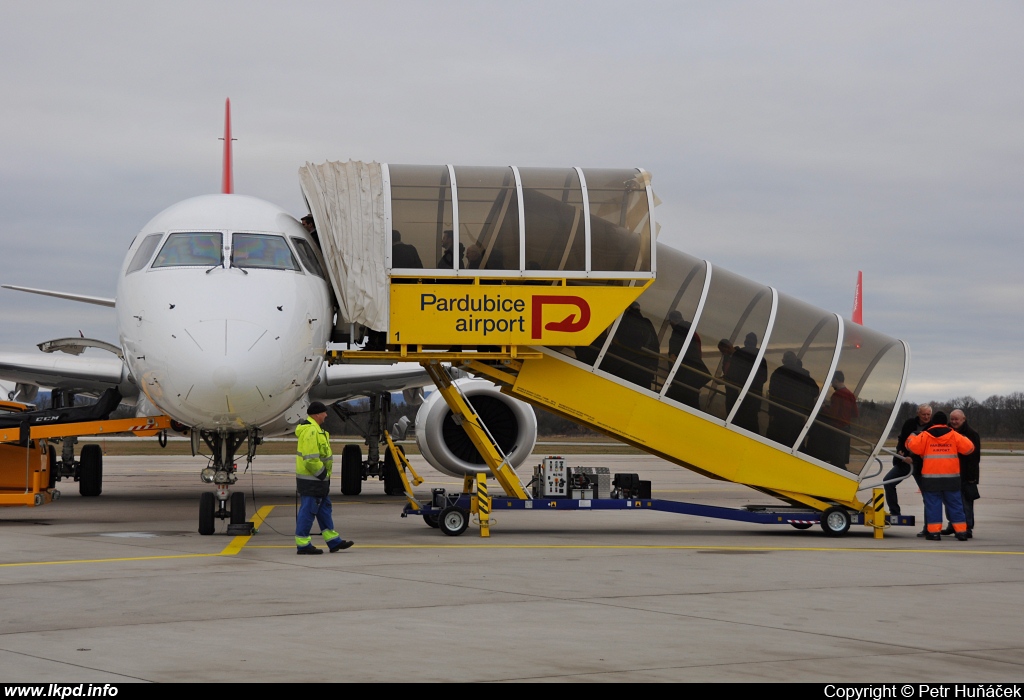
column 221, row 266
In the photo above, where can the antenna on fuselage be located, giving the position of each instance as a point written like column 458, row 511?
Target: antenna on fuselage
column 228, row 185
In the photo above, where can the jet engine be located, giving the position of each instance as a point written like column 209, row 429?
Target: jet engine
column 447, row 448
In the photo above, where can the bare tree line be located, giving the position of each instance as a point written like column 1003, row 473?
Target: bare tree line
column 998, row 417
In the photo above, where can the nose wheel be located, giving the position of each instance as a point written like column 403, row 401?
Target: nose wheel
column 222, row 506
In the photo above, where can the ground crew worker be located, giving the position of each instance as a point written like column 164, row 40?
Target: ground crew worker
column 939, row 447
column 313, row 483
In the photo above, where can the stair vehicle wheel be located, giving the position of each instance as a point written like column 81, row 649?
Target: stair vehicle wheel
column 453, row 521
column 432, row 519
column 801, row 526
column 52, row 466
column 351, row 470
column 237, row 508
column 835, row 521
column 207, row 507
column 90, row 482
column 393, row 485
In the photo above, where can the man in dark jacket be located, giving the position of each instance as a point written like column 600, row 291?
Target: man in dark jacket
column 904, row 462
column 447, row 260
column 692, row 374
column 938, row 447
column 970, row 469
column 634, row 352
column 793, row 394
column 740, row 365
column 403, row 255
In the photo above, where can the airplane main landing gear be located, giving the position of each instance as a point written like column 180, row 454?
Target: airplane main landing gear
column 223, row 472
column 355, row 470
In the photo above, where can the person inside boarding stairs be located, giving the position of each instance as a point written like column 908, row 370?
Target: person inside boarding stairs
column 793, row 394
column 634, row 352
column 447, row 260
column 403, row 255
column 939, row 447
column 970, row 468
column 692, row 374
column 842, row 410
column 741, row 363
column 310, row 226
column 313, row 484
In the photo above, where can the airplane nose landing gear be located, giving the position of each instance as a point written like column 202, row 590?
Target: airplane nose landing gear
column 224, row 505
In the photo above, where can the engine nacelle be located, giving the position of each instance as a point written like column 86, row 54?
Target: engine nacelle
column 447, row 448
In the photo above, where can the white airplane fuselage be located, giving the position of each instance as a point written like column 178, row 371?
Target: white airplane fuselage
column 215, row 339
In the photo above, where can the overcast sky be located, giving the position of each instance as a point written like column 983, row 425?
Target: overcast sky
column 792, row 143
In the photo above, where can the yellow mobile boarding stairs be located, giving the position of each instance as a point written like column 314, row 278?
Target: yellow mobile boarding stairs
column 548, row 282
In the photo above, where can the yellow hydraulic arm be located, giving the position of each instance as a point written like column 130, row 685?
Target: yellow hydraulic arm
column 476, row 431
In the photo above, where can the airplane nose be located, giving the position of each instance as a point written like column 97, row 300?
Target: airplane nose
column 230, row 372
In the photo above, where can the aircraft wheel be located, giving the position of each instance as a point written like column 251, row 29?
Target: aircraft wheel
column 90, row 464
column 207, row 508
column 237, row 507
column 801, row 526
column 52, row 453
column 453, row 521
column 835, row 521
column 351, row 470
column 393, row 485
column 431, row 519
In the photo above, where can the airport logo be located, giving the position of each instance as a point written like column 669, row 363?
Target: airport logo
column 499, row 313
column 576, row 321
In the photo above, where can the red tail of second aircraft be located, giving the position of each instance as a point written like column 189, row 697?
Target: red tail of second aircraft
column 858, row 300
column 228, row 185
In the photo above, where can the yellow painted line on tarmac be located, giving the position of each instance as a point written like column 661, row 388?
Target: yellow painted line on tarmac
column 232, row 549
column 106, row 561
column 858, row 550
column 237, row 543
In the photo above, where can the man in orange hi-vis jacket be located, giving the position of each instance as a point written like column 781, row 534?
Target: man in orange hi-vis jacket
column 939, row 446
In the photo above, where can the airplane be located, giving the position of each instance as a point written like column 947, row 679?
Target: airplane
column 224, row 314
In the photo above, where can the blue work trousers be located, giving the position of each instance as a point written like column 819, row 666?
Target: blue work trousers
column 933, row 501
column 315, row 508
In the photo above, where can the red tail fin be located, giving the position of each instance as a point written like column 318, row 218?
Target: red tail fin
column 858, row 300
column 228, row 186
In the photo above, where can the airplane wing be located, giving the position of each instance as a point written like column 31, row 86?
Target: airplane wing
column 346, row 381
column 96, row 374
column 86, row 374
column 99, row 301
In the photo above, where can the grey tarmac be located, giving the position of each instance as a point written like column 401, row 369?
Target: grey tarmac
column 122, row 588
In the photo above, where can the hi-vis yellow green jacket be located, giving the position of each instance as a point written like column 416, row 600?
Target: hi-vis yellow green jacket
column 313, row 459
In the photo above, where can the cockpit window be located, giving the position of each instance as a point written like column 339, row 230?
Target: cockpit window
column 308, row 258
column 145, row 252
column 261, row 251
column 198, row 249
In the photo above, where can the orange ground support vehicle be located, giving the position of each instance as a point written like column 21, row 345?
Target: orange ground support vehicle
column 28, row 463
column 26, row 475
